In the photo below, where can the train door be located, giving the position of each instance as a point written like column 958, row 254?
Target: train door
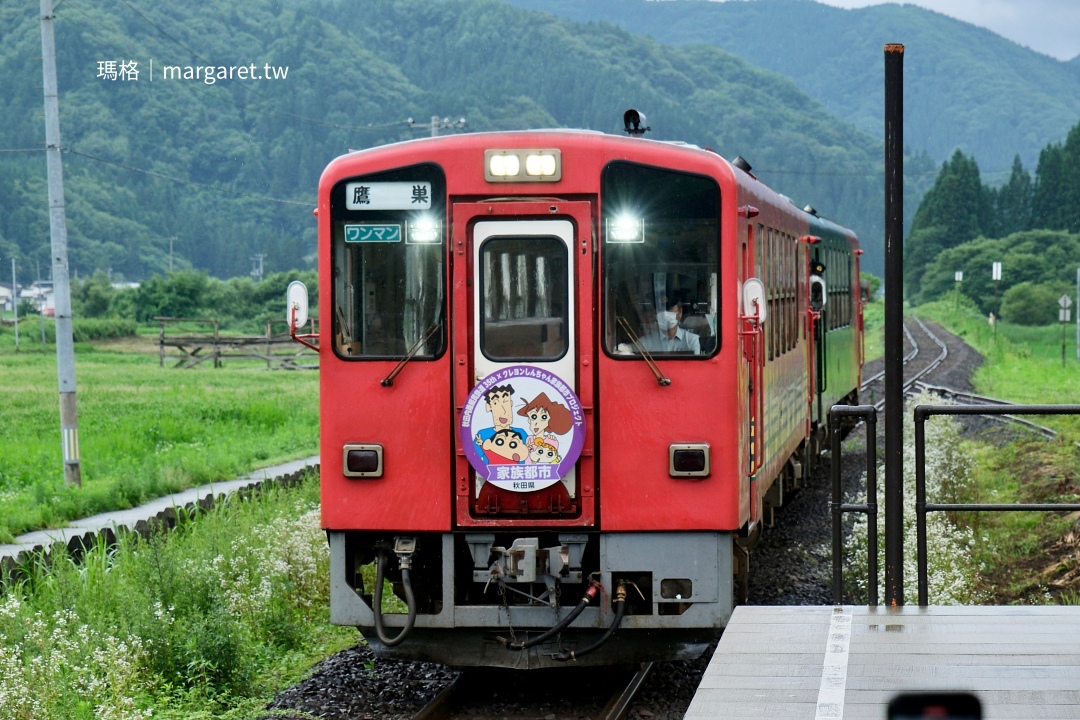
column 751, row 329
column 819, row 303
column 520, row 397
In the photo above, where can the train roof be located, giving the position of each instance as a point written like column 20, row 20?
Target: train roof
column 820, row 226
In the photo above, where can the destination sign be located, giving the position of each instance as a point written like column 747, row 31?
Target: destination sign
column 388, row 196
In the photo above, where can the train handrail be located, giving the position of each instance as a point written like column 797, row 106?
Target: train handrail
column 752, row 335
column 869, row 508
column 922, row 412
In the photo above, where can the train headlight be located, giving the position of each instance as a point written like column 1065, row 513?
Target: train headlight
column 540, row 164
column 504, row 166
column 524, row 165
column 626, row 229
column 362, row 461
column 424, row 230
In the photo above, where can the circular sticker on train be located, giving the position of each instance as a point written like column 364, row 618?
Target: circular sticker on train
column 522, row 428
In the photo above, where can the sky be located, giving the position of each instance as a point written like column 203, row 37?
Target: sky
column 1051, row 27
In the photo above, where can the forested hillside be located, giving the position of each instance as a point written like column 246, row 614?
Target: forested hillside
column 965, row 87
column 226, row 170
column 1029, row 225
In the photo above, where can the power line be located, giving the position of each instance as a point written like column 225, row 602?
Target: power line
column 160, row 30
column 182, row 181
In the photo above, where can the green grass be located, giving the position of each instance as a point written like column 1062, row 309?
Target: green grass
column 1022, row 555
column 144, row 431
column 1022, row 363
column 207, row 621
column 874, row 330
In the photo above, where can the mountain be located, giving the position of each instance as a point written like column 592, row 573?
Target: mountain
column 222, row 171
column 965, row 87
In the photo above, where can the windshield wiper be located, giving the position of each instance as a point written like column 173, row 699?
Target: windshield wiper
column 389, row 379
column 661, row 379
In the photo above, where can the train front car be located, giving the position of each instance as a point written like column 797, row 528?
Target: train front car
column 537, row 419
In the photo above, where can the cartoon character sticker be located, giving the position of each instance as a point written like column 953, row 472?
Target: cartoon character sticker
column 535, row 455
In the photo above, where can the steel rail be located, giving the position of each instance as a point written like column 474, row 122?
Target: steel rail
column 438, row 708
column 909, row 383
column 971, row 398
column 619, row 705
column 441, row 707
column 936, row 362
column 910, row 356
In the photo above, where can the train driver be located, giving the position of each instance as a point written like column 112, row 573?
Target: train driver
column 669, row 337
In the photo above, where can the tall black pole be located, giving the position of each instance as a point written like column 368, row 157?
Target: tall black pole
column 894, row 320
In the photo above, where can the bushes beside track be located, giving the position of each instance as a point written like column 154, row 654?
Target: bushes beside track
column 952, row 573
column 82, row 330
column 209, row 620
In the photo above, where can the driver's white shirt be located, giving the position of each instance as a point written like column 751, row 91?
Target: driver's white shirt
column 681, row 341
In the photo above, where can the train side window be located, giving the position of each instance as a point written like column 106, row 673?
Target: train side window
column 791, row 283
column 388, row 264
column 774, row 296
column 524, row 288
column 660, row 261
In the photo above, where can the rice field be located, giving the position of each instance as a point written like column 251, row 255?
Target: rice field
column 144, row 431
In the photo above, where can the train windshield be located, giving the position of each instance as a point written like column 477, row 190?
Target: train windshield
column 661, row 238
column 388, row 264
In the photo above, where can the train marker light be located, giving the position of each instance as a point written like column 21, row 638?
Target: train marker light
column 362, row 461
column 524, row 165
column 688, row 460
column 626, row 229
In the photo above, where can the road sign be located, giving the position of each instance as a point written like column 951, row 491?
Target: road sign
column 1064, row 315
column 996, row 271
column 1065, row 301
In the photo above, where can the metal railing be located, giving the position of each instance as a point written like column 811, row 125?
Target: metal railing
column 922, row 412
column 869, row 414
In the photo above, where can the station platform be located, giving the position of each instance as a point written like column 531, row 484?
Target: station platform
column 847, row 662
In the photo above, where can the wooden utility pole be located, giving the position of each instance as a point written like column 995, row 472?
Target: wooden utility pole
column 65, row 345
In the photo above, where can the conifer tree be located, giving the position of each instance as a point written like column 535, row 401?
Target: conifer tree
column 1047, row 204
column 957, row 208
column 1013, row 202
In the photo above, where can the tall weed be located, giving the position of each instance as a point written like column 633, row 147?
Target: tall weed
column 951, row 571
column 213, row 617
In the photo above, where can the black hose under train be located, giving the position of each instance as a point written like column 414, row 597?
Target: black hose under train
column 586, row 599
column 410, row 602
column 620, row 610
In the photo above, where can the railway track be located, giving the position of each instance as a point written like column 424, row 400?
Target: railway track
column 570, row 694
column 875, row 384
column 972, row 399
column 914, row 382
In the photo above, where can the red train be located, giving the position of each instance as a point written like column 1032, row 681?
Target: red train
column 565, row 376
